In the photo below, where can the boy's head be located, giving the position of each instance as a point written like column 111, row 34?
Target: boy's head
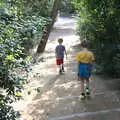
column 60, row 40
column 84, row 44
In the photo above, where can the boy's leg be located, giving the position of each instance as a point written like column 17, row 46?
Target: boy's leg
column 87, row 82
column 59, row 65
column 62, row 61
column 87, row 87
column 82, row 96
column 60, row 68
column 63, row 68
column 88, row 74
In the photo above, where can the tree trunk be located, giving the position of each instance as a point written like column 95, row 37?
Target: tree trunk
column 48, row 28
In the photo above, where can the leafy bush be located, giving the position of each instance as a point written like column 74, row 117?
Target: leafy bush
column 20, row 28
column 99, row 21
column 13, row 61
column 110, row 60
column 31, row 30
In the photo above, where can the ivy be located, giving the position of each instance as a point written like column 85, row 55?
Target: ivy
column 22, row 23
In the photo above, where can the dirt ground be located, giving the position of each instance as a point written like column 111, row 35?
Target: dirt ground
column 58, row 95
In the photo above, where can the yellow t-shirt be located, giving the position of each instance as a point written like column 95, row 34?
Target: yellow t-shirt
column 85, row 57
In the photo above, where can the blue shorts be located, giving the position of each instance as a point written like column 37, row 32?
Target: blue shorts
column 85, row 70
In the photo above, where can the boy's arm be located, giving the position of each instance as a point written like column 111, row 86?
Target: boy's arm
column 78, row 64
column 55, row 51
column 66, row 53
column 93, row 58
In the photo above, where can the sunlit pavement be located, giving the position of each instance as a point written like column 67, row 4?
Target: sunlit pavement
column 59, row 95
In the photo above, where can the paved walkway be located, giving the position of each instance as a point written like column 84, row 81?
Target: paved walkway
column 58, row 98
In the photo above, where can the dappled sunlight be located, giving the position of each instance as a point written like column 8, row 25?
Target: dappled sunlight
column 71, row 40
column 50, row 105
column 41, row 111
column 64, row 22
column 66, row 85
column 60, row 94
column 48, row 95
column 52, row 99
column 63, row 28
column 68, row 41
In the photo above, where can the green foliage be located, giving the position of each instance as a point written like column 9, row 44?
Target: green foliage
column 13, row 62
column 30, row 18
column 22, row 24
column 31, row 30
column 7, row 112
column 99, row 22
column 38, row 7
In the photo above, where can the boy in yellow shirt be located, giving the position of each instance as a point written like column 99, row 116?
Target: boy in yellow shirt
column 85, row 60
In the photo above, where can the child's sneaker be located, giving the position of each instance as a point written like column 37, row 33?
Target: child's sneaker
column 82, row 96
column 60, row 71
column 87, row 92
column 63, row 69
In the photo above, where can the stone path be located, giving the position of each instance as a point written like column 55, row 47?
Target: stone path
column 58, row 98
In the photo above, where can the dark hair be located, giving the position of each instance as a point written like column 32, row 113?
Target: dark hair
column 84, row 44
column 60, row 40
